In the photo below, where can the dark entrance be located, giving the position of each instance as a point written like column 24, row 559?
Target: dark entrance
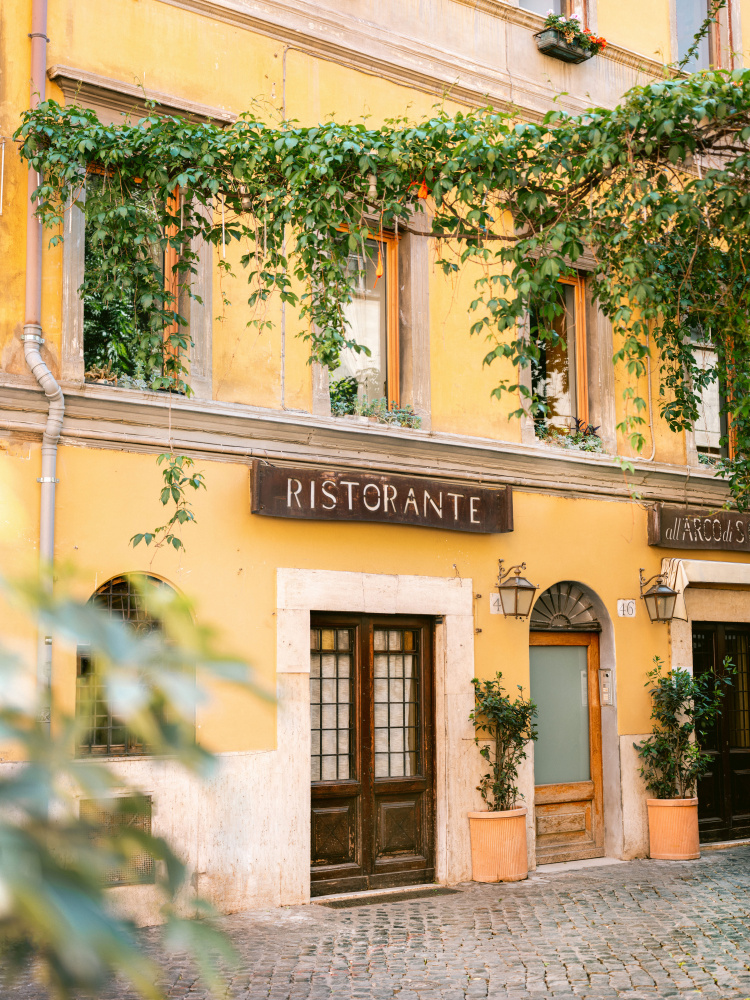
column 371, row 704
column 724, row 793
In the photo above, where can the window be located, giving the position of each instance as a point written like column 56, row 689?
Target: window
column 113, row 328
column 558, row 377
column 106, row 819
column 544, row 6
column 711, row 426
column 373, row 322
column 690, row 16
column 105, row 735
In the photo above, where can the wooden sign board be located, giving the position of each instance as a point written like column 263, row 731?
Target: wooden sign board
column 323, row 495
column 687, row 528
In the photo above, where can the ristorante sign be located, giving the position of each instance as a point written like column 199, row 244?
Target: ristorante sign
column 687, row 528
column 323, row 495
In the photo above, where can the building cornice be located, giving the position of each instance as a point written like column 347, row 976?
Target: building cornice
column 125, row 420
column 376, row 50
column 92, row 89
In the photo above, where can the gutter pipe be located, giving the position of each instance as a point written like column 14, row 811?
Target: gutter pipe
column 32, row 342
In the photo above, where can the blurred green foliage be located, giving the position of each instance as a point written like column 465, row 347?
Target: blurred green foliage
column 56, row 915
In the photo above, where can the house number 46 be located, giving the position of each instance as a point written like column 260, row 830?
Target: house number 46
column 626, row 608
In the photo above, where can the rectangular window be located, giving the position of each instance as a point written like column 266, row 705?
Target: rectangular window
column 544, row 6
column 113, row 326
column 690, row 16
column 558, row 377
column 711, row 425
column 373, row 322
column 134, row 812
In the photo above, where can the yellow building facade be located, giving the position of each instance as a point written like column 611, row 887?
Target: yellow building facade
column 369, row 629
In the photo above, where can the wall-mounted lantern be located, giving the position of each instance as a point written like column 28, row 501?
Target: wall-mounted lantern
column 516, row 593
column 659, row 599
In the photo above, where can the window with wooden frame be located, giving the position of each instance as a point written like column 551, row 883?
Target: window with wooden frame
column 103, row 734
column 689, row 16
column 372, row 316
column 710, row 429
column 113, row 326
column 559, row 380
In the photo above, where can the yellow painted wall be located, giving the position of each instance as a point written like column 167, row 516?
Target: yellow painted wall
column 596, row 543
column 640, row 25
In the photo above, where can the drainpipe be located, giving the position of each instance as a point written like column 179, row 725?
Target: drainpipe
column 32, row 342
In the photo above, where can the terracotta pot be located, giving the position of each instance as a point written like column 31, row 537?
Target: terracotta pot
column 673, row 829
column 498, row 845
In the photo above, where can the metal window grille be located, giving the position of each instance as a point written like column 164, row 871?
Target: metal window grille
column 105, row 734
column 396, row 708
column 331, row 693
column 107, row 819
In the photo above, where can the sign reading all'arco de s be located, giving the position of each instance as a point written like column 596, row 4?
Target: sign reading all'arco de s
column 325, row 495
column 689, row 528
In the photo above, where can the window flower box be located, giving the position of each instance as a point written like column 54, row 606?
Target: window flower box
column 551, row 42
column 564, row 38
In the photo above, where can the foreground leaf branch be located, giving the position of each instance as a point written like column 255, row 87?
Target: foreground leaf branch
column 177, row 479
column 656, row 189
column 56, row 916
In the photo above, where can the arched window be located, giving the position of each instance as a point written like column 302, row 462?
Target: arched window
column 121, row 598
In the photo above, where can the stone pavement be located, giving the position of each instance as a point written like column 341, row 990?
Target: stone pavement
column 639, row 930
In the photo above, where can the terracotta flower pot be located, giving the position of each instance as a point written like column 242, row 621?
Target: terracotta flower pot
column 673, row 829
column 498, row 845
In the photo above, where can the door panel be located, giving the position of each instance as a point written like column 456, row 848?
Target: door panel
column 567, row 755
column 724, row 792
column 371, row 712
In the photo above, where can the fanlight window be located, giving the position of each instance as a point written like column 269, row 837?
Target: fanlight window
column 564, row 606
column 105, row 735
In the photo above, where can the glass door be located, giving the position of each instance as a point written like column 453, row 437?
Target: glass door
column 567, row 755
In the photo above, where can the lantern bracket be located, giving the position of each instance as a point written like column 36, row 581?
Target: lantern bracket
column 502, row 576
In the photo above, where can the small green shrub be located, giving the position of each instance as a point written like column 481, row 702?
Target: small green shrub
column 503, row 728
column 683, row 709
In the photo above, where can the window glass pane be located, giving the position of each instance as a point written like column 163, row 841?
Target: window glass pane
column 559, row 676
column 737, row 706
column 690, row 16
column 396, row 709
column 710, row 426
column 330, row 703
column 553, row 376
column 367, row 317
column 542, row 6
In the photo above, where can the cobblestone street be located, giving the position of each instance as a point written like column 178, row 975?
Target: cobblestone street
column 643, row 929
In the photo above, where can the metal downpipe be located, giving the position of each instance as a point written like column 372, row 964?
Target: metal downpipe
column 32, row 342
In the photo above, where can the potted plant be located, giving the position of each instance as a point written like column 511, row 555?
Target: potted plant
column 503, row 729
column 564, row 38
column 683, row 709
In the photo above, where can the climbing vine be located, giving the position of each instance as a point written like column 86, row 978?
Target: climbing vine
column 656, row 190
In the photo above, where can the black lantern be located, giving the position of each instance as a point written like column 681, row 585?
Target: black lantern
column 660, row 598
column 516, row 593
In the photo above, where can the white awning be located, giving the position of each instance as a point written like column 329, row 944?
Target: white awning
column 680, row 573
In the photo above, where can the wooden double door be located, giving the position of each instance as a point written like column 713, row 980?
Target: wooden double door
column 372, row 734
column 724, row 792
column 568, row 799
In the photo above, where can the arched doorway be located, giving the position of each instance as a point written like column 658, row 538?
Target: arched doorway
column 564, row 677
